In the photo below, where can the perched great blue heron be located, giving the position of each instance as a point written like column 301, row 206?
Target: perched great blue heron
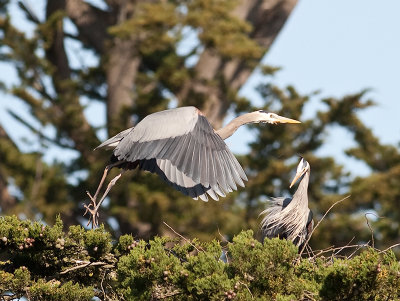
column 181, row 146
column 290, row 218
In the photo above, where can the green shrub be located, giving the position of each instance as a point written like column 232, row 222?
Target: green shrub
column 44, row 263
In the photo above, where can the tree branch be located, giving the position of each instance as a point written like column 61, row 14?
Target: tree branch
column 38, row 132
column 84, row 265
column 92, row 23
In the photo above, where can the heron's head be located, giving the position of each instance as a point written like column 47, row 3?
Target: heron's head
column 302, row 168
column 266, row 117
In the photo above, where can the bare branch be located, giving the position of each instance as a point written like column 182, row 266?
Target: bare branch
column 389, row 248
column 370, row 229
column 84, row 265
column 40, row 133
column 248, row 289
column 360, row 246
column 181, row 236
column 345, row 246
column 31, row 15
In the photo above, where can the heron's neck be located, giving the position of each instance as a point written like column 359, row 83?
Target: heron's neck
column 232, row 126
column 301, row 194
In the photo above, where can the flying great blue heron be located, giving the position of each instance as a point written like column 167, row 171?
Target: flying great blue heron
column 290, row 218
column 180, row 146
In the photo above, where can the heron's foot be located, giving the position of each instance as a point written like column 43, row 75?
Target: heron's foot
column 94, row 215
column 92, row 209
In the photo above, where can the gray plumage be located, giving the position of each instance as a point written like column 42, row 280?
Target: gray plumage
column 290, row 218
column 186, row 153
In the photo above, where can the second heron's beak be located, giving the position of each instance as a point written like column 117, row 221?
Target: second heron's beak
column 281, row 119
column 297, row 177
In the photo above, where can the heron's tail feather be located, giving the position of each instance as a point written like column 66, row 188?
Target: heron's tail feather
column 113, row 141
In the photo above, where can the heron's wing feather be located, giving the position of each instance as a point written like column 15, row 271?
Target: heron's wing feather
column 212, row 156
column 279, row 201
column 220, row 173
column 177, row 179
column 270, row 224
column 310, row 224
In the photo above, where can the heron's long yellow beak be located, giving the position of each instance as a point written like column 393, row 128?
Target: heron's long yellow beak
column 297, row 176
column 282, row 119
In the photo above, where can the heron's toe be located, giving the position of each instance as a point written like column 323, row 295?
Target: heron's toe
column 92, row 209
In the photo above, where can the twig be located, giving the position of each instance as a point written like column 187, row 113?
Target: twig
column 391, row 247
column 361, row 246
column 309, row 296
column 101, row 285
column 328, row 249
column 181, row 236
column 309, row 237
column 87, row 263
column 370, row 229
column 331, row 249
column 310, row 250
column 225, row 252
column 37, row 131
column 252, row 297
column 159, row 295
column 223, row 238
column 344, row 246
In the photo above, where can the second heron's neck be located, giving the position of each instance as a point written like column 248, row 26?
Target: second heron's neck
column 301, row 192
column 231, row 127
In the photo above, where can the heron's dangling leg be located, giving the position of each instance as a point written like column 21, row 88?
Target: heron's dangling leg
column 94, row 214
column 93, row 198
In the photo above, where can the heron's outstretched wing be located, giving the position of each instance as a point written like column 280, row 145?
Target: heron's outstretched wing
column 186, row 147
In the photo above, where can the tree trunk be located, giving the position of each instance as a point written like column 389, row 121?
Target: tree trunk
column 70, row 118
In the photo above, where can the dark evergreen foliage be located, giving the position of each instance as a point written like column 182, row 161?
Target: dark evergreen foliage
column 45, row 263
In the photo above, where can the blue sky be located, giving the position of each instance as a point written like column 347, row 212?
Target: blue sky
column 341, row 47
column 337, row 47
